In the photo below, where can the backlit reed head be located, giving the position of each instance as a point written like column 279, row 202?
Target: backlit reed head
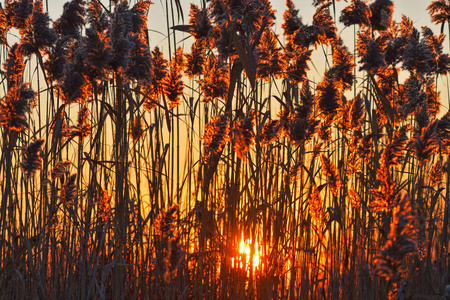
column 243, row 135
column 270, row 59
column 37, row 35
column 215, row 80
column 17, row 12
column 381, row 14
column 137, row 129
column 402, row 241
column 323, row 19
column 96, row 16
column 14, row 66
column 59, row 169
column 332, row 175
column 217, row 133
column 68, row 193
column 196, row 59
column 14, row 106
column 31, row 158
column 72, row 19
column 357, row 13
column 200, row 22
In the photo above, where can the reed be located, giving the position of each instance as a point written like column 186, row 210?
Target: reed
column 222, row 171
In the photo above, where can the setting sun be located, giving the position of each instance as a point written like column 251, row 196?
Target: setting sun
column 246, row 258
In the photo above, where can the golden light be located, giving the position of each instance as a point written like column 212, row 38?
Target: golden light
column 245, row 258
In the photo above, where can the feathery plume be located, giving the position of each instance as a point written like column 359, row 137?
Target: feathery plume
column 292, row 22
column 97, row 55
column 173, row 84
column 72, row 19
column 165, row 223
column 37, row 35
column 355, row 199
column 139, row 66
column 269, row 132
column 416, row 55
column 270, row 60
column 322, row 19
column 201, row 24
column 402, row 241
column 328, row 96
column 332, row 175
column 307, row 36
column 439, row 12
column 298, row 64
column 83, row 127
column 96, row 17
column 370, row 51
column 357, row 13
column 59, row 169
column 57, row 59
column 196, row 59
column 215, row 81
column 243, row 135
column 137, row 129
column 381, row 14
column 14, row 106
column 424, row 142
column 343, row 65
column 316, row 207
column 104, row 206
column 31, row 159
column 120, row 36
column 73, row 84
column 4, row 27
column 159, row 70
column 436, row 173
column 139, row 18
column 174, row 257
column 17, row 12
column 216, row 135
column 14, row 66
column 68, row 193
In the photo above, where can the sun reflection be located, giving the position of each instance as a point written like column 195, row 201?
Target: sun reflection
column 245, row 258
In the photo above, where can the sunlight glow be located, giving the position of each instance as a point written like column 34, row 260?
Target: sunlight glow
column 246, row 258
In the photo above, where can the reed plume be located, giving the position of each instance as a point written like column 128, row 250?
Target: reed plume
column 72, row 20
column 17, row 12
column 215, row 80
column 83, row 128
column 216, row 135
column 60, row 169
column 196, row 59
column 104, row 206
column 68, row 194
column 173, row 84
column 323, row 20
column 174, row 257
column 243, row 135
column 381, row 14
column 4, row 27
column 31, row 158
column 14, row 66
column 14, row 106
column 357, row 13
column 332, row 175
column 270, row 59
column 402, row 241
column 137, row 129
column 37, row 36
column 316, row 207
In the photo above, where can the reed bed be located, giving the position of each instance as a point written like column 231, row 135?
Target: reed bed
column 222, row 171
